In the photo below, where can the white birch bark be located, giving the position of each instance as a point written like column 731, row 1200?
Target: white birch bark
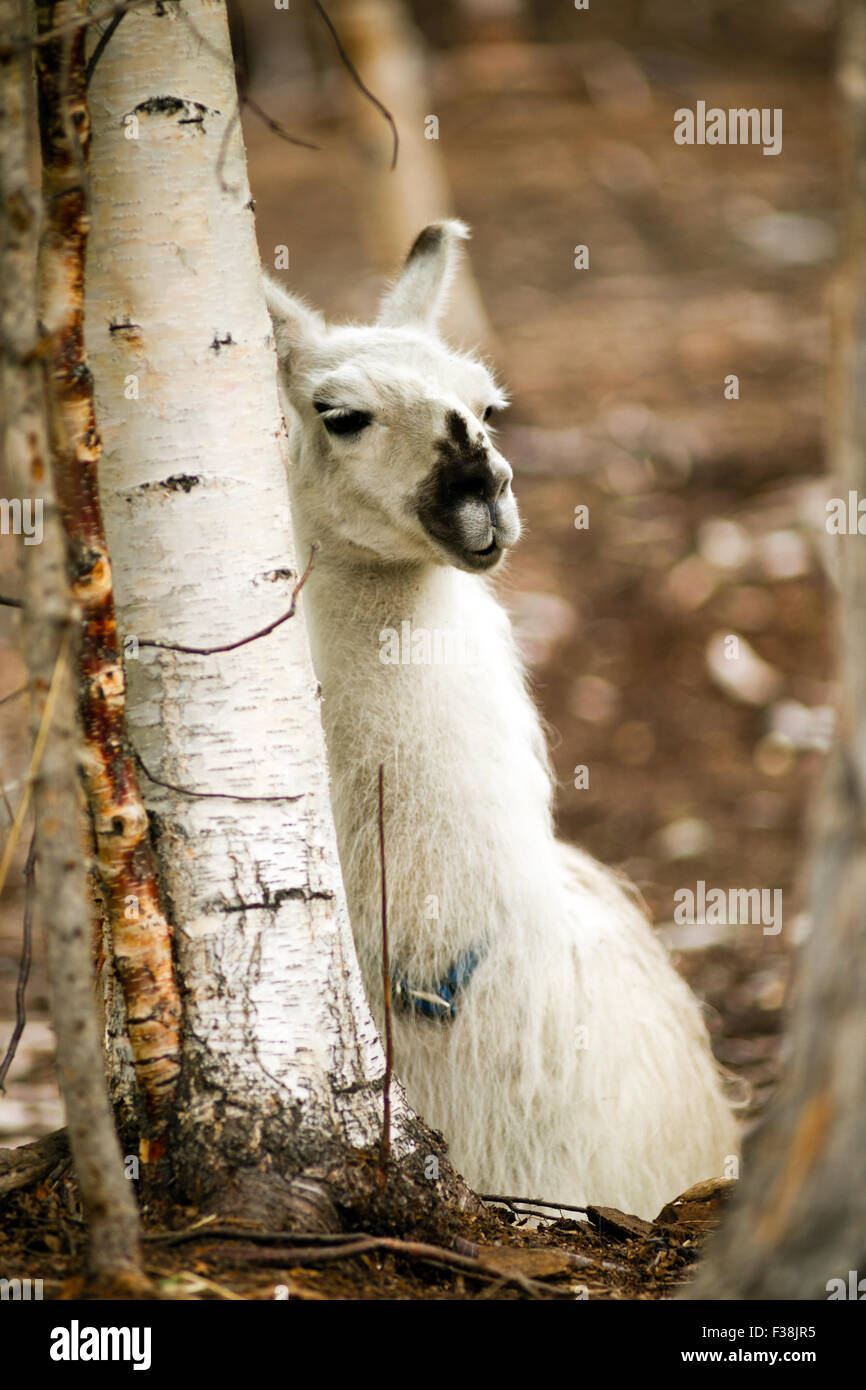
column 282, row 1061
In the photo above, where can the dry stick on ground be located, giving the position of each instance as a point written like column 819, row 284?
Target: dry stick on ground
column 49, row 629
column 331, row 1241
column 799, row 1220
column 31, row 1163
column 407, row 1249
column 528, row 1202
column 141, row 935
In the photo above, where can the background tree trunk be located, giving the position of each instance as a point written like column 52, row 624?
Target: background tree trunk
column 389, row 54
column 800, row 1218
column 35, row 437
column 139, row 936
column 282, row 1062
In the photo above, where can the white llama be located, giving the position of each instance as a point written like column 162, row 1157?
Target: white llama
column 538, row 1022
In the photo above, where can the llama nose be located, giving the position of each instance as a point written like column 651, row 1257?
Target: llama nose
column 497, row 481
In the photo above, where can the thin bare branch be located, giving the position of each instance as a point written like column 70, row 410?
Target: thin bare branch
column 104, row 40
column 206, row 796
column 35, row 758
column 356, row 78
column 243, row 100
column 71, row 27
column 242, row 641
column 385, row 1147
column 274, row 126
column 528, row 1202
column 23, row 965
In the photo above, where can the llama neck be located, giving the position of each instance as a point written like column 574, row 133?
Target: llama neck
column 355, row 609
column 419, row 673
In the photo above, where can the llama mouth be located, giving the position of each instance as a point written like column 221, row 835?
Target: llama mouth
column 464, row 556
column 482, row 559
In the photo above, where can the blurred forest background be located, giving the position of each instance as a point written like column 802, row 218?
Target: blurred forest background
column 706, row 515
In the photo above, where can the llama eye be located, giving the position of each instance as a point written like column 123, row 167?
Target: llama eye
column 337, row 421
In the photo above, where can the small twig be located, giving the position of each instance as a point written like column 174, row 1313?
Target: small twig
column 385, row 1147
column 36, row 756
column 11, row 602
column 274, row 126
column 8, row 50
column 104, row 41
column 528, row 1202
column 242, row 642
column 356, row 78
column 203, row 1230
column 224, row 146
column 23, row 964
column 206, row 796
column 243, row 100
column 13, row 694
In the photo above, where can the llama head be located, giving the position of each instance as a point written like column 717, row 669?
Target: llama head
column 393, row 456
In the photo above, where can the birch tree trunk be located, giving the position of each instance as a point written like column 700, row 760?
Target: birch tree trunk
column 798, row 1228
column 282, row 1065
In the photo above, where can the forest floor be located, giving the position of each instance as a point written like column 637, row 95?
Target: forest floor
column 706, row 521
column 508, row 1249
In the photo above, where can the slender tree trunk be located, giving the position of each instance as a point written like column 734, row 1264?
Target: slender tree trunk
column 800, row 1220
column 138, row 930
column 388, row 51
column 32, row 444
column 283, row 1067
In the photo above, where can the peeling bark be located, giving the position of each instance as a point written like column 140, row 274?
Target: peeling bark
column 50, row 628
column 140, row 933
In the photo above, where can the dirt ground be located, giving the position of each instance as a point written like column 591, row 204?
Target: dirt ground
column 705, row 514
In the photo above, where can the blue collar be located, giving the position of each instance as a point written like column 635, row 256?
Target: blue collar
column 440, row 1001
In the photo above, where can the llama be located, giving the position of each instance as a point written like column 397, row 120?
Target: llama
column 537, row 1020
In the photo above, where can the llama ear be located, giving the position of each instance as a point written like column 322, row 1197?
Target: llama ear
column 418, row 296
column 294, row 324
